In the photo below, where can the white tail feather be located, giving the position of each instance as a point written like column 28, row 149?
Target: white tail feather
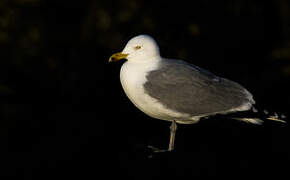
column 251, row 120
column 260, row 121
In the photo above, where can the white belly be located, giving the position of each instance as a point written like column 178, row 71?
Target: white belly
column 132, row 77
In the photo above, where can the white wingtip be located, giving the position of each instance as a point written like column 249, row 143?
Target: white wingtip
column 275, row 118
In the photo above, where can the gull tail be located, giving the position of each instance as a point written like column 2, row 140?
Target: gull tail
column 251, row 120
column 258, row 117
column 275, row 117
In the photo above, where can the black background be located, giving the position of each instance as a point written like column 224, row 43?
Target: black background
column 63, row 112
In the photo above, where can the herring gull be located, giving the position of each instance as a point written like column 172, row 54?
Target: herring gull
column 176, row 91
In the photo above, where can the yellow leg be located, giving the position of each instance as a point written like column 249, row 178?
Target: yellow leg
column 173, row 129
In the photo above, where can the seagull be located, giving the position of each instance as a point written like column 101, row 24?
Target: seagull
column 176, row 91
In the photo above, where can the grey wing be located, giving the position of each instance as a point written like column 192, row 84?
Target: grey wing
column 189, row 89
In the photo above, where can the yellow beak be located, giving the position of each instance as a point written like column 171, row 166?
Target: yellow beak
column 117, row 56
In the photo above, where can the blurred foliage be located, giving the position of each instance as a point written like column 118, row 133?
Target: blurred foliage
column 57, row 40
column 19, row 31
column 56, row 44
column 54, row 73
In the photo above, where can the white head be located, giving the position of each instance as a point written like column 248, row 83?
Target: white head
column 141, row 48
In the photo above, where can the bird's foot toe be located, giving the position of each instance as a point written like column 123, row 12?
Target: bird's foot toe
column 157, row 150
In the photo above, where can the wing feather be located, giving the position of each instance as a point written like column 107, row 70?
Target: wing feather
column 189, row 89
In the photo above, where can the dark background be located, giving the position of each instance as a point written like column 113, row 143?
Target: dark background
column 63, row 112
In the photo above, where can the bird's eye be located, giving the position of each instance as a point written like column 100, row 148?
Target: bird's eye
column 137, row 47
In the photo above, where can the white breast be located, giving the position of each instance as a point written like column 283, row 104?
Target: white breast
column 133, row 76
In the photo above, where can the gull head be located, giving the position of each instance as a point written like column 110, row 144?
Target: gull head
column 141, row 48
